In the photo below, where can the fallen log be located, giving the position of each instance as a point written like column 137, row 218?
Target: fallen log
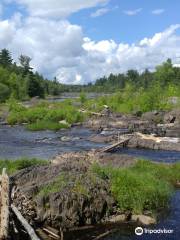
column 51, row 233
column 25, row 224
column 4, row 218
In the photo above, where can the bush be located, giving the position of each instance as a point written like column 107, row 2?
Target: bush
column 4, row 92
column 45, row 116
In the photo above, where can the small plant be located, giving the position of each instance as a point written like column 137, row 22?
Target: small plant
column 55, row 186
column 14, row 165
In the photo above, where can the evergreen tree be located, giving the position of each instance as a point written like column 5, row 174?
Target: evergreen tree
column 5, row 58
column 25, row 63
column 34, row 87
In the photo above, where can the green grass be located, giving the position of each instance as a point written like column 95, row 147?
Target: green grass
column 13, row 166
column 76, row 184
column 145, row 186
column 131, row 100
column 43, row 125
column 45, row 115
column 55, row 186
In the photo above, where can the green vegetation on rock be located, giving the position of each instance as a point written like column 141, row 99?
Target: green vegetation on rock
column 52, row 116
column 144, row 186
column 55, row 186
column 13, row 166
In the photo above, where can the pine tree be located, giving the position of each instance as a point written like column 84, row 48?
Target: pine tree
column 25, row 63
column 5, row 58
column 34, row 87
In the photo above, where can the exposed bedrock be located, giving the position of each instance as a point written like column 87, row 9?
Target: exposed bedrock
column 81, row 197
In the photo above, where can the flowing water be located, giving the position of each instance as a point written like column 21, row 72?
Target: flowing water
column 16, row 142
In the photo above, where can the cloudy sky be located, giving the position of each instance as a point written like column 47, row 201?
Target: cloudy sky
column 79, row 41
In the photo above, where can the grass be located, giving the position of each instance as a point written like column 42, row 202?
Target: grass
column 43, row 125
column 45, row 115
column 76, row 184
column 13, row 166
column 145, row 186
column 55, row 186
column 132, row 100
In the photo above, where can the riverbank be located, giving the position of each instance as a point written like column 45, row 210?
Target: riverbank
column 82, row 189
column 153, row 130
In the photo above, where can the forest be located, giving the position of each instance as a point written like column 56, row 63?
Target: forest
column 19, row 81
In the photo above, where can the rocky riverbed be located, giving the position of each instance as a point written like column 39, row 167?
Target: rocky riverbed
column 84, row 199
column 153, row 130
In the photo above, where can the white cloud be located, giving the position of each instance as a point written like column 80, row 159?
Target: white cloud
column 158, row 11
column 59, row 48
column 133, row 12
column 100, row 12
column 58, row 8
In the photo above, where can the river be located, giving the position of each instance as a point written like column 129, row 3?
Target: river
column 16, row 142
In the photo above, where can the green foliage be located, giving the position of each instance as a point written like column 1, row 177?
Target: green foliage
column 132, row 100
column 21, row 82
column 14, row 165
column 144, row 186
column 44, row 115
column 4, row 92
column 5, row 58
column 82, row 97
column 43, row 125
column 34, row 87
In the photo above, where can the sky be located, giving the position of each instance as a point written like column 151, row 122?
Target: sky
column 79, row 41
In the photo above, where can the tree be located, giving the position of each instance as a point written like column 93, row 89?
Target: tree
column 133, row 76
column 165, row 73
column 34, row 87
column 5, row 58
column 4, row 92
column 14, row 85
column 25, row 63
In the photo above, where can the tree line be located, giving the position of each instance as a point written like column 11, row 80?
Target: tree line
column 20, row 82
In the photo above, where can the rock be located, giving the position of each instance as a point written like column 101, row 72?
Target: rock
column 169, row 118
column 172, row 116
column 65, row 139
column 83, row 198
column 64, row 122
column 155, row 116
column 118, row 218
column 156, row 143
column 142, row 219
column 177, row 184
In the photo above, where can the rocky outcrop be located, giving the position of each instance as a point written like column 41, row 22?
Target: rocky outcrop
column 66, row 193
column 155, row 143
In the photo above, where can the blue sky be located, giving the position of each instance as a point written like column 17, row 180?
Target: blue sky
column 79, row 41
column 117, row 25
column 123, row 28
